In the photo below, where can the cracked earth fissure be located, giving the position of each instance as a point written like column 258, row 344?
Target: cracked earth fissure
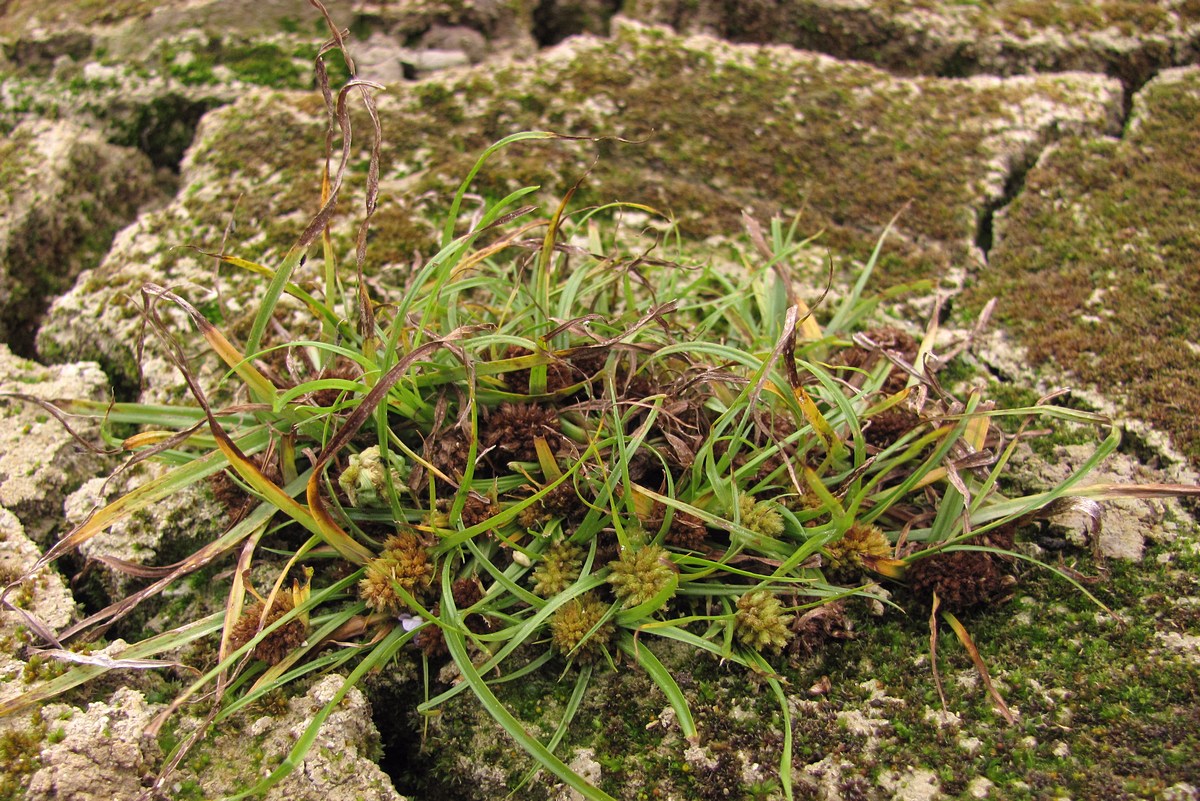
column 1015, row 182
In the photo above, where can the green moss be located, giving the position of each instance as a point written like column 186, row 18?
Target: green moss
column 1104, row 710
column 163, row 128
column 190, row 790
column 1098, row 267
column 267, row 64
column 14, row 164
column 264, row 63
column 20, row 758
column 767, row 132
column 1077, row 677
column 1058, row 433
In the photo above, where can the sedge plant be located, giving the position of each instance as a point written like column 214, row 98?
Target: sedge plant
column 551, row 450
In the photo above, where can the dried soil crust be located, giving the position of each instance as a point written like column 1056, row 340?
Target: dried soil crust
column 754, row 128
column 1131, row 40
column 1097, row 262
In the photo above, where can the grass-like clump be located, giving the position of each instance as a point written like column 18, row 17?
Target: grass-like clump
column 557, row 444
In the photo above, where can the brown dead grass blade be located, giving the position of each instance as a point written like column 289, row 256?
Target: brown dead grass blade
column 933, row 654
column 58, row 414
column 960, row 631
column 1111, row 492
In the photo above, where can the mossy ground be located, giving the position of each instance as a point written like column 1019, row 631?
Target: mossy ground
column 1124, row 38
column 19, row 13
column 1105, row 709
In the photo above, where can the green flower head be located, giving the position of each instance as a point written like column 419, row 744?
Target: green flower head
column 639, row 575
column 571, row 623
column 558, row 569
column 761, row 623
column 761, row 517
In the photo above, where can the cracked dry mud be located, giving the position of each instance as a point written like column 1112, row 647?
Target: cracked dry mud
column 1043, row 153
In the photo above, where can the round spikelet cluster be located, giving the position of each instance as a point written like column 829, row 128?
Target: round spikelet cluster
column 961, row 579
column 859, row 540
column 279, row 643
column 686, row 531
column 574, row 620
column 558, row 569
column 761, row 622
column 403, row 561
column 637, row 576
column 760, row 517
column 562, row 501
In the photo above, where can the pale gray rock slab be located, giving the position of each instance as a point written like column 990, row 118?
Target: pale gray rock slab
column 164, row 532
column 104, row 754
column 1127, row 524
column 40, row 463
column 47, row 37
column 948, row 145
column 338, row 767
column 44, row 595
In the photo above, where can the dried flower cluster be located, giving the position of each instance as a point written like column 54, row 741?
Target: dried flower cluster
column 279, row 643
column 477, row 509
column 513, row 427
column 961, row 579
column 562, row 501
column 686, row 531
column 402, row 561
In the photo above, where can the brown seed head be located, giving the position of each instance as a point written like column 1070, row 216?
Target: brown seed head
column 513, row 427
column 686, row 531
column 403, row 561
column 961, row 579
column 279, row 643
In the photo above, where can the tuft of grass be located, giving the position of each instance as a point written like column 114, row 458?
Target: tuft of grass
column 559, row 447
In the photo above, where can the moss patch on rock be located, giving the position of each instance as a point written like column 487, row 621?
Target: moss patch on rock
column 65, row 194
column 1097, row 262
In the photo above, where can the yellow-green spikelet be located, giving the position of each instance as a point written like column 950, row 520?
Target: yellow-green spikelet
column 572, row 622
column 637, row 576
column 558, row 569
column 761, row 623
